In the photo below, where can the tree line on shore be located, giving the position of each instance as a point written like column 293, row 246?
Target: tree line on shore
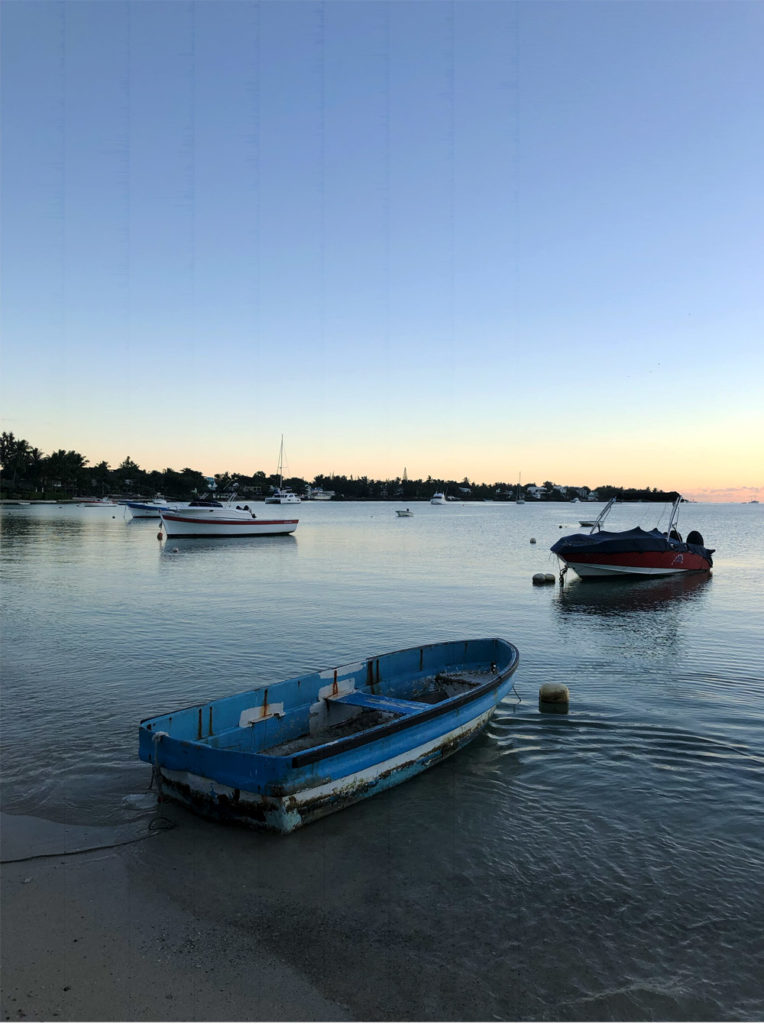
column 26, row 473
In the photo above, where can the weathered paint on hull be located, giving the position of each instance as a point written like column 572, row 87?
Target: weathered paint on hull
column 279, row 756
column 284, row 814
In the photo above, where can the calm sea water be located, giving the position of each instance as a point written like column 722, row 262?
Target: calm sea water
column 606, row 864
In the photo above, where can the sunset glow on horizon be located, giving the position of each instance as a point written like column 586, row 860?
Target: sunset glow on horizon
column 489, row 240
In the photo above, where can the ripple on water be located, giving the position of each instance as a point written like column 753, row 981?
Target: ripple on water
column 604, row 864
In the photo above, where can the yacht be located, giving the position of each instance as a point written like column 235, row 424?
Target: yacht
column 282, row 495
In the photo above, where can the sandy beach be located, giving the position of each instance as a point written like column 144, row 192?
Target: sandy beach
column 139, row 932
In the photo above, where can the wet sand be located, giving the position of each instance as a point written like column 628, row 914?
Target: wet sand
column 126, row 933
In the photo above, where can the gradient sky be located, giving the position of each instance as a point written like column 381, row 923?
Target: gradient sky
column 469, row 239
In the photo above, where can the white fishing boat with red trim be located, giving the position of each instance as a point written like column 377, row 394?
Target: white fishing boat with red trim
column 214, row 519
column 635, row 552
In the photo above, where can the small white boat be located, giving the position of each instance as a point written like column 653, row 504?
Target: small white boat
column 212, row 519
column 282, row 495
column 403, row 512
column 438, row 498
column 318, row 494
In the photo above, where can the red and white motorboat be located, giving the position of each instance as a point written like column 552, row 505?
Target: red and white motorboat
column 213, row 519
column 634, row 552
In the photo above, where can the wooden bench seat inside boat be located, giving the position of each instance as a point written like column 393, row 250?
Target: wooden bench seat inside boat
column 379, row 703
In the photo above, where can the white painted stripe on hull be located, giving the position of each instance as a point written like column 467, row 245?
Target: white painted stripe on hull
column 174, row 528
column 287, row 811
column 592, row 569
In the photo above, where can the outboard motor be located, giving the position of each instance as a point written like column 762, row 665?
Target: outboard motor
column 693, row 537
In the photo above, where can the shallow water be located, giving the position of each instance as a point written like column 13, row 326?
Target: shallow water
column 605, row 864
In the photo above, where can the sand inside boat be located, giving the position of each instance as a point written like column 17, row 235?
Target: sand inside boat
column 427, row 692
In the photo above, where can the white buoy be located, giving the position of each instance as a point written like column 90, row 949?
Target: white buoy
column 554, row 698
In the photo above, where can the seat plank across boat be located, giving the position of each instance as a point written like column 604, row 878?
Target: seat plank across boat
column 282, row 755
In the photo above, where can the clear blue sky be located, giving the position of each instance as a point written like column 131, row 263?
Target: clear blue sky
column 466, row 238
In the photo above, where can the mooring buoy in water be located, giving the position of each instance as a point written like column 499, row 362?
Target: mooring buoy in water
column 540, row 578
column 533, row 540
column 550, row 577
column 554, row 698
column 159, row 535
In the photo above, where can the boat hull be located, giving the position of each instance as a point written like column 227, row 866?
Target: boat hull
column 638, row 564
column 144, row 510
column 284, row 814
column 177, row 525
column 205, row 766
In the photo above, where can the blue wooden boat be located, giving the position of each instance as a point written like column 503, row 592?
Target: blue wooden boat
column 281, row 756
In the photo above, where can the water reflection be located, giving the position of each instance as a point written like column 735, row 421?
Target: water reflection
column 610, row 597
column 643, row 619
column 175, row 546
column 26, row 535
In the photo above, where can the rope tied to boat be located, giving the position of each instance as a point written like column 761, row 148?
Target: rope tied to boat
column 156, row 775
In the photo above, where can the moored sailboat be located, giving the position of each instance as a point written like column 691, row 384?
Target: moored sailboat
column 282, row 495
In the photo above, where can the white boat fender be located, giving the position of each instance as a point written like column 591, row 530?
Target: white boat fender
column 554, row 698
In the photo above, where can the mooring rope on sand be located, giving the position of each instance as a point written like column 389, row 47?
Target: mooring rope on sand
column 155, row 826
